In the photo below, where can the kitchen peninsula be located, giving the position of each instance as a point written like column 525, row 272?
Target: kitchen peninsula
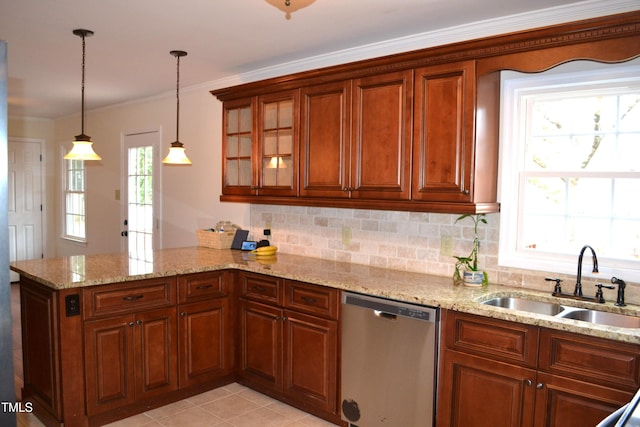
column 80, row 311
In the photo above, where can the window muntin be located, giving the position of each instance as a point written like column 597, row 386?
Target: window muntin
column 570, row 170
column 74, row 200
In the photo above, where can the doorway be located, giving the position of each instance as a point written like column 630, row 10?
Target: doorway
column 141, row 227
column 25, row 204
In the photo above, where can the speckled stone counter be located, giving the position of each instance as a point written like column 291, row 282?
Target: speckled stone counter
column 91, row 270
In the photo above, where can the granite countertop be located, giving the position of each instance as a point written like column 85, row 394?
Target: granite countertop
column 90, row 270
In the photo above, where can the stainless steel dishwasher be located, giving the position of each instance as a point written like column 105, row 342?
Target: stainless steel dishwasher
column 389, row 362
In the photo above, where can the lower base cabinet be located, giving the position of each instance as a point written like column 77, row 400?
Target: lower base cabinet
column 290, row 354
column 129, row 358
column 508, row 374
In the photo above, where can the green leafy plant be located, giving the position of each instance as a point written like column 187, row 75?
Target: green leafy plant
column 470, row 262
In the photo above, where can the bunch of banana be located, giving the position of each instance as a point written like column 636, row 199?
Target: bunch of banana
column 265, row 251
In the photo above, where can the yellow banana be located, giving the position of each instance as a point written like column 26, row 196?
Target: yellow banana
column 265, row 251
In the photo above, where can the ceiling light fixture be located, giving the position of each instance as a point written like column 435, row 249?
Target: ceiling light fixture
column 289, row 6
column 176, row 154
column 82, row 146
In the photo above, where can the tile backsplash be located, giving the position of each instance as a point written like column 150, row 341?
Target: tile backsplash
column 410, row 241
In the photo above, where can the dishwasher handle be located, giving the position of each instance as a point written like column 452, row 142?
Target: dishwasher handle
column 390, row 309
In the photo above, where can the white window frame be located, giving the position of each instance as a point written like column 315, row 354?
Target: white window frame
column 514, row 86
column 65, row 191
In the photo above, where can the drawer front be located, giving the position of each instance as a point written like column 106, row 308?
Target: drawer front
column 201, row 286
column 129, row 297
column 262, row 288
column 498, row 339
column 597, row 360
column 312, row 299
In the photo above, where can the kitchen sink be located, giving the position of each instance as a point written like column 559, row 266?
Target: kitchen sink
column 523, row 304
column 603, row 318
column 566, row 312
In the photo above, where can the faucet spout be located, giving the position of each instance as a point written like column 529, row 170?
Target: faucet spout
column 578, row 289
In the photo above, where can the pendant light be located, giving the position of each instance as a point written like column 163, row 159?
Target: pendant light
column 176, row 155
column 82, row 146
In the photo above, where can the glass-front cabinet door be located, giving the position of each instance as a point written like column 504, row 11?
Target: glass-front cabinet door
column 278, row 143
column 239, row 175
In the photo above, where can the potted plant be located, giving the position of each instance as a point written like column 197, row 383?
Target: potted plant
column 466, row 269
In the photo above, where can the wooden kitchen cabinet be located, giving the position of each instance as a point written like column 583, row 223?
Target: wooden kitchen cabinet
column 444, row 132
column 238, row 149
column 356, row 138
column 277, row 166
column 325, row 140
column 130, row 345
column 289, row 342
column 131, row 357
column 506, row 373
column 205, row 329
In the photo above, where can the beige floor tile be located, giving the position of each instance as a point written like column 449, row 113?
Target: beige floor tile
column 193, row 417
column 210, row 396
column 170, row 409
column 135, row 421
column 230, row 406
column 262, row 417
column 258, row 398
column 288, row 411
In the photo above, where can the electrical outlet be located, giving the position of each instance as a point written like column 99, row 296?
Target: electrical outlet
column 72, row 305
column 446, row 245
column 346, row 236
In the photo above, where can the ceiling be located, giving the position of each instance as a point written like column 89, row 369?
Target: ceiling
column 128, row 57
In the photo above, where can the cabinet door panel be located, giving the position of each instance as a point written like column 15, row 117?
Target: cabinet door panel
column 260, row 340
column 444, row 132
column 278, row 116
column 324, row 148
column 205, row 350
column 484, row 393
column 569, row 403
column 109, row 363
column 156, row 352
column 238, row 149
column 381, row 142
column 310, row 360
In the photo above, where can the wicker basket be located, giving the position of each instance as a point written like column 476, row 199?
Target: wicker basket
column 215, row 240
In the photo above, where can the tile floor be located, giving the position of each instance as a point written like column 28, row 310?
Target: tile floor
column 230, row 406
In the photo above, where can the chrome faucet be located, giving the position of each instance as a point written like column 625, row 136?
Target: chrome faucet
column 578, row 289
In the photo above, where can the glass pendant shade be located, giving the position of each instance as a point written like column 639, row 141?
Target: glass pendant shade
column 176, row 155
column 82, row 146
column 82, row 150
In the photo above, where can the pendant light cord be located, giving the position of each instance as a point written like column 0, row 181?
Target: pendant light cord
column 82, row 87
column 178, row 98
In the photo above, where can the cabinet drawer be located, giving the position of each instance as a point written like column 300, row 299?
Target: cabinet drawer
column 312, row 299
column 201, row 286
column 262, row 288
column 599, row 360
column 129, row 297
column 498, row 339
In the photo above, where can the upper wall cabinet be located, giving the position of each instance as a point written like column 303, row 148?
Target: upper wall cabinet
column 416, row 131
column 260, row 145
column 356, row 138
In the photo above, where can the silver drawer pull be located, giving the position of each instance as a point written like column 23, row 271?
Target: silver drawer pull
column 132, row 297
column 204, row 286
column 258, row 288
column 309, row 300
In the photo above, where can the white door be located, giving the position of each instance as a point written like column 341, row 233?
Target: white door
column 141, row 199
column 24, row 200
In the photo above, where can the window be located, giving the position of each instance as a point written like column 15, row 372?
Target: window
column 570, row 169
column 74, row 200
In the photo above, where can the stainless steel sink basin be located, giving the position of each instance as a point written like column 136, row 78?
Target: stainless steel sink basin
column 603, row 318
column 523, row 304
column 560, row 311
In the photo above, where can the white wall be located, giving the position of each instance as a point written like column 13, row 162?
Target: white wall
column 190, row 194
